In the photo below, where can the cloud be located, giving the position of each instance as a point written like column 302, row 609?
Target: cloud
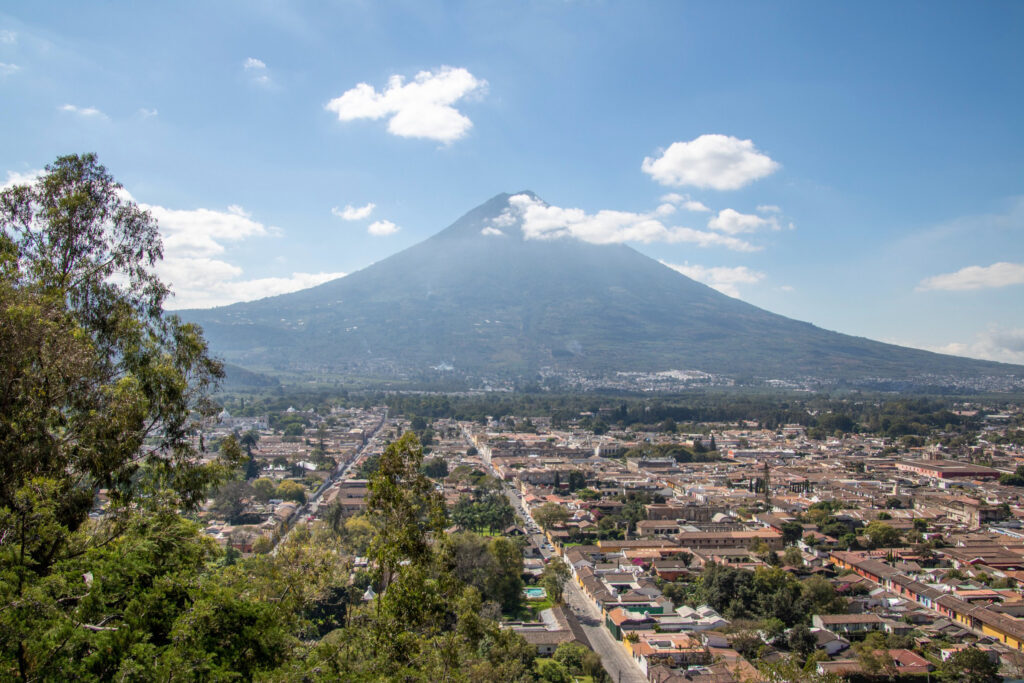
column 492, row 231
column 148, row 113
column 208, row 282
column 540, row 221
column 8, row 69
column 16, row 178
column 257, row 71
column 8, row 37
column 192, row 238
column 996, row 343
column 733, row 222
column 351, row 213
column 1000, row 274
column 683, row 201
column 382, row 228
column 725, row 280
column 419, row 109
column 200, row 233
column 720, row 162
column 87, row 112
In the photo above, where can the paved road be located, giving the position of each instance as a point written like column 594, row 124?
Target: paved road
column 311, row 505
column 617, row 662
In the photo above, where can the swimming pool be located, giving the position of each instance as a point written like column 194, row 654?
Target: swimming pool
column 535, row 593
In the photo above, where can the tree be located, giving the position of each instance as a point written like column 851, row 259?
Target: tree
column 231, row 500
column 435, row 468
column 552, row 671
column 792, row 532
column 248, row 441
column 404, row 507
column 793, row 557
column 264, row 489
column 571, row 656
column 91, row 368
column 801, row 641
column 881, row 535
column 291, row 490
column 550, row 514
column 553, row 579
column 970, row 665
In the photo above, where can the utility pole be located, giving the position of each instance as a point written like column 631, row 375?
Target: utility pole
column 767, row 486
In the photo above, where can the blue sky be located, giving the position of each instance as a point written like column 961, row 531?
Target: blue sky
column 861, row 164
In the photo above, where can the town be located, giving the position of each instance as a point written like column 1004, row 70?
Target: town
column 706, row 555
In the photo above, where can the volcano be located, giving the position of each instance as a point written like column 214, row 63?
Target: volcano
column 480, row 299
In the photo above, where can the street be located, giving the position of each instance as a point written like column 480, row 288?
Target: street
column 616, row 661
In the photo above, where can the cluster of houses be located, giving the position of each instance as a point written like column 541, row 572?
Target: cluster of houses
column 947, row 580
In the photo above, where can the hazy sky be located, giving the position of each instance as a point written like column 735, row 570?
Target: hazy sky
column 856, row 165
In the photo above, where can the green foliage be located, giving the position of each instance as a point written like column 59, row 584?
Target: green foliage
column 970, row 665
column 91, row 368
column 485, row 509
column 549, row 515
column 792, row 532
column 435, row 468
column 493, row 566
column 881, row 535
column 291, row 490
column 231, row 500
column 1015, row 479
column 767, row 593
column 553, row 579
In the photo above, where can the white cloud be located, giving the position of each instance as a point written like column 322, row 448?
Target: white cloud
column 1000, row 274
column 88, row 112
column 193, row 237
column 683, row 201
column 8, row 37
column 504, row 220
column 148, row 113
column 382, row 228
column 209, row 283
column 352, row 213
column 200, row 233
column 8, row 69
column 419, row 109
column 725, row 280
column 996, row 343
column 733, row 222
column 492, row 232
column 768, row 208
column 257, row 71
column 541, row 221
column 16, row 178
column 720, row 162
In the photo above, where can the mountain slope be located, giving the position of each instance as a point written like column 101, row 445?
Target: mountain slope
column 502, row 305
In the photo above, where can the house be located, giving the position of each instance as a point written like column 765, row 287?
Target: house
column 848, row 623
column 620, row 621
column 555, row 627
column 829, row 642
column 909, row 663
column 671, row 649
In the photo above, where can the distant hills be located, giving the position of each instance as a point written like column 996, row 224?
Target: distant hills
column 484, row 306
